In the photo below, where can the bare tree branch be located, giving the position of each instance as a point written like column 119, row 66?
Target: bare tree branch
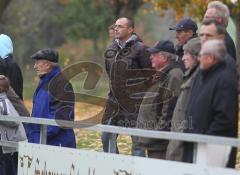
column 3, row 6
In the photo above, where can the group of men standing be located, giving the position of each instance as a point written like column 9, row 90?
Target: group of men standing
column 190, row 87
column 193, row 88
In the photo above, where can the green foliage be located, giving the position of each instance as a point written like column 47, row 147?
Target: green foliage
column 86, row 19
column 31, row 27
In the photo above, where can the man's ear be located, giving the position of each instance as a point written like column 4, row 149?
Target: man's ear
column 190, row 33
column 219, row 19
column 130, row 30
column 49, row 65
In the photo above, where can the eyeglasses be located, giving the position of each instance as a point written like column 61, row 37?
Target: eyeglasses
column 119, row 26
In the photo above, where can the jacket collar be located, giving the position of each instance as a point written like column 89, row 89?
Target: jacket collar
column 46, row 78
column 132, row 39
column 212, row 69
column 3, row 95
column 189, row 72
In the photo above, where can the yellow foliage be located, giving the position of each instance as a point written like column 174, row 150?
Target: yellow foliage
column 194, row 8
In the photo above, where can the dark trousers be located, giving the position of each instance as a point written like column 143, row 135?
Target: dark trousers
column 156, row 154
column 8, row 163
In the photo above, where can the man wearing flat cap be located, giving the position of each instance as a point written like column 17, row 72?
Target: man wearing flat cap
column 157, row 107
column 185, row 29
column 53, row 99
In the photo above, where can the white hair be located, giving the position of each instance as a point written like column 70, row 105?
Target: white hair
column 222, row 10
column 216, row 48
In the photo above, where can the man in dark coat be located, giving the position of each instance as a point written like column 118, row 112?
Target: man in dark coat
column 220, row 12
column 213, row 104
column 212, row 29
column 156, row 112
column 9, row 67
column 186, row 29
column 126, row 54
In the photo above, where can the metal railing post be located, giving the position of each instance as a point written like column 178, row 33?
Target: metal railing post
column 212, row 154
column 200, row 153
column 43, row 134
column 112, row 143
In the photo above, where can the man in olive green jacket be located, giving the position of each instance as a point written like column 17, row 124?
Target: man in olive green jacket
column 156, row 111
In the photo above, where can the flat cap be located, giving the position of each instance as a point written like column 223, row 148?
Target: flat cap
column 46, row 54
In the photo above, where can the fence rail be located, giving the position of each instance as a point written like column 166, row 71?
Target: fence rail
column 201, row 142
column 197, row 138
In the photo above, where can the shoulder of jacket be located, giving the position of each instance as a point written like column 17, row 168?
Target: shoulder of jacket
column 176, row 71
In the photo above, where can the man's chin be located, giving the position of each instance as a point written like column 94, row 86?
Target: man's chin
column 40, row 74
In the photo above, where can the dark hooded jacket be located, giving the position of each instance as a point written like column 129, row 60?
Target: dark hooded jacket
column 9, row 67
column 121, row 63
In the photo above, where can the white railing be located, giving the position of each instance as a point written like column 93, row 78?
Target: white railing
column 200, row 140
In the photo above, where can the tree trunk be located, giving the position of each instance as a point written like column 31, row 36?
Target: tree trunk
column 3, row 6
column 126, row 8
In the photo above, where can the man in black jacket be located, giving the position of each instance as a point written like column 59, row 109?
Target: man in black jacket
column 220, row 12
column 126, row 54
column 213, row 104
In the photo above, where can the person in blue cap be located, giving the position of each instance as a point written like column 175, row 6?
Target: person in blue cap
column 9, row 67
column 53, row 99
column 185, row 29
column 156, row 112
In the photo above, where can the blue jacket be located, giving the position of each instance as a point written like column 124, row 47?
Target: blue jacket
column 53, row 103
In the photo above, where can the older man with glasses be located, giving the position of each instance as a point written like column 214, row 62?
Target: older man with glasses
column 213, row 104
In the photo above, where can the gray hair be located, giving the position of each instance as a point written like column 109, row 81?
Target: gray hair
column 170, row 56
column 53, row 64
column 215, row 47
column 222, row 10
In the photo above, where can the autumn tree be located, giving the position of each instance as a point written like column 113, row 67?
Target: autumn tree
column 87, row 19
column 126, row 8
